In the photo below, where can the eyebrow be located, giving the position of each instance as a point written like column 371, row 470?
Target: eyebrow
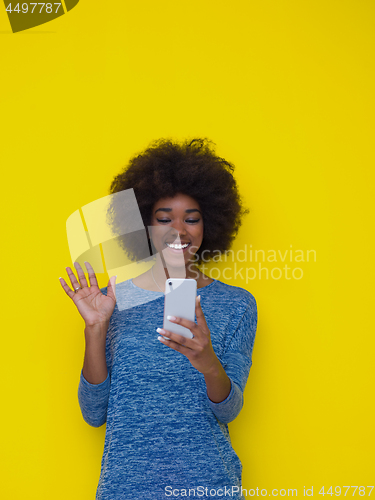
column 188, row 211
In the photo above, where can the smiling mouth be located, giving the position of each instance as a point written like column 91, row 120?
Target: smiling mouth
column 178, row 246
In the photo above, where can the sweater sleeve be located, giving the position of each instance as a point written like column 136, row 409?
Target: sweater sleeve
column 236, row 362
column 93, row 398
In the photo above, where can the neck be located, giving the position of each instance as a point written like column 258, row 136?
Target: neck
column 162, row 271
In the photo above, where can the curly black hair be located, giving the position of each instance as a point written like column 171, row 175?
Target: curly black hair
column 166, row 168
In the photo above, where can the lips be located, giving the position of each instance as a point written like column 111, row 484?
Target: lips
column 173, row 242
column 181, row 246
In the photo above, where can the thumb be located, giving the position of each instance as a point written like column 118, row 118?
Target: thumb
column 111, row 289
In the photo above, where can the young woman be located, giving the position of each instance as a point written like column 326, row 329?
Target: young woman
column 167, row 399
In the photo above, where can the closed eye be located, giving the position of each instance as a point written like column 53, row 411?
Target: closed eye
column 190, row 221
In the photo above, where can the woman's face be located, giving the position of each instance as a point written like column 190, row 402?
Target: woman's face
column 177, row 229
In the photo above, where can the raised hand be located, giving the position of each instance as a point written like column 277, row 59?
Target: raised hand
column 94, row 307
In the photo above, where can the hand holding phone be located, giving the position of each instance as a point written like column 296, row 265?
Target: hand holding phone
column 179, row 301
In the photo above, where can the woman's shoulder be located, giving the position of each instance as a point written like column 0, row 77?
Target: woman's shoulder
column 230, row 295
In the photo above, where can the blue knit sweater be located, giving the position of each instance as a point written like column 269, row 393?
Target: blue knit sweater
column 164, row 436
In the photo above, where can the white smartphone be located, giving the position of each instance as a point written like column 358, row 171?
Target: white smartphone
column 179, row 301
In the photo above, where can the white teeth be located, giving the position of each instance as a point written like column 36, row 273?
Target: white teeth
column 177, row 247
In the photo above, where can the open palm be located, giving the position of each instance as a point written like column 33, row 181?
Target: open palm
column 92, row 304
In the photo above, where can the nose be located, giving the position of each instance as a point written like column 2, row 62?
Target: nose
column 178, row 229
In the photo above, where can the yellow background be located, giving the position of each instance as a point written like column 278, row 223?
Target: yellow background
column 286, row 91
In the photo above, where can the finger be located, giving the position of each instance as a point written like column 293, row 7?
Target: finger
column 176, row 338
column 91, row 273
column 111, row 289
column 186, row 323
column 68, row 290
column 201, row 320
column 81, row 275
column 73, row 279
